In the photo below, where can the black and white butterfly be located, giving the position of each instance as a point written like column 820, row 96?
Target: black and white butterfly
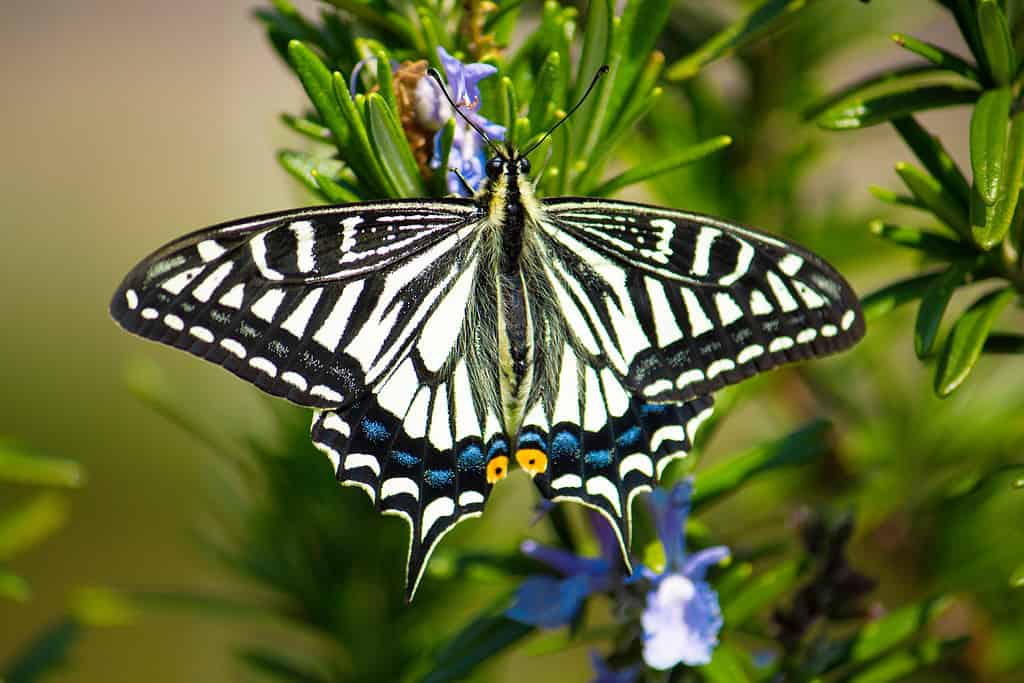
column 442, row 341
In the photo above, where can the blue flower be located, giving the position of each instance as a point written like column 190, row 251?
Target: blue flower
column 550, row 602
column 605, row 674
column 682, row 618
column 469, row 152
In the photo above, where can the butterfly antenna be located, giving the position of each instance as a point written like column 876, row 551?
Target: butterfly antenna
column 600, row 72
column 437, row 77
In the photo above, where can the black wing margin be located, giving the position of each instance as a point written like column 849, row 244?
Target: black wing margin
column 315, row 305
column 681, row 304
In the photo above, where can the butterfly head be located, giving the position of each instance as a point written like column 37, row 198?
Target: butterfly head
column 507, row 163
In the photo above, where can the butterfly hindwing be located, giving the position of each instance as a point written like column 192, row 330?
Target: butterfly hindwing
column 424, row 452
column 681, row 304
column 598, row 445
column 315, row 305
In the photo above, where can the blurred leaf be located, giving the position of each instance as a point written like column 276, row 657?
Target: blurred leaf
column 963, row 347
column 392, row 149
column 766, row 17
column 858, row 112
column 13, row 587
column 930, row 244
column 884, row 300
column 887, row 632
column 23, row 468
column 894, row 198
column 596, row 44
column 29, row 523
column 761, row 592
column 476, row 643
column 989, row 124
column 989, row 224
column 45, row 653
column 1017, row 577
column 639, row 174
column 103, row 607
column 388, row 21
column 936, row 159
column 900, row 79
column 996, row 41
column 937, row 55
column 311, row 129
column 799, row 448
column 281, row 667
column 902, row 663
column 930, row 192
column 726, row 666
column 933, row 307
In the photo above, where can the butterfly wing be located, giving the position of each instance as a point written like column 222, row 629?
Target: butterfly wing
column 316, row 305
column 657, row 309
column 681, row 304
column 370, row 313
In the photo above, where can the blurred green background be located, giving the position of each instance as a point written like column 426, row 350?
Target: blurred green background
column 127, row 124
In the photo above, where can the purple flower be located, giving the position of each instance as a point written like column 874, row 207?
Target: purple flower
column 469, row 152
column 682, row 618
column 605, row 674
column 550, row 602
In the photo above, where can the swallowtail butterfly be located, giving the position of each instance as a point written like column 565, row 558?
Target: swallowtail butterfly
column 443, row 342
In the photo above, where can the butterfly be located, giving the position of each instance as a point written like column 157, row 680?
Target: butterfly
column 444, row 342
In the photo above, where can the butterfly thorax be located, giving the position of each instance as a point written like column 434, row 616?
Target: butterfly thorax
column 508, row 198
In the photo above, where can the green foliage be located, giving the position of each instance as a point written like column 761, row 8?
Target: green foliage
column 985, row 216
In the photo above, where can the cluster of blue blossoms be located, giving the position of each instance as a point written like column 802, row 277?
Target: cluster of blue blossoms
column 680, row 616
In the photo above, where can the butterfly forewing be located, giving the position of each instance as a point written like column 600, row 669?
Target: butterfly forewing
column 680, row 304
column 315, row 305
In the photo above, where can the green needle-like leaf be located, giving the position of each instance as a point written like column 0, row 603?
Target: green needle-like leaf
column 392, row 148
column 996, row 41
column 799, row 448
column 989, row 224
column 937, row 56
column 316, row 80
column 890, row 297
column 965, row 342
column 645, row 172
column 927, row 243
column 933, row 307
column 989, row 126
column 764, row 590
column 13, row 587
column 930, row 192
column 886, row 195
column 311, row 129
column 888, row 631
column 762, row 19
column 548, row 94
column 308, row 169
column 726, row 666
column 29, row 523
column 332, row 191
column 24, row 468
column 936, row 159
column 900, row 664
column 45, row 653
column 870, row 111
column 477, row 642
column 359, row 153
column 1004, row 342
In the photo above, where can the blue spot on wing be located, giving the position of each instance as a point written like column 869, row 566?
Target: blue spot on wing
column 375, row 431
column 499, row 446
column 471, row 458
column 405, row 459
column 532, row 439
column 652, row 409
column 438, row 478
column 564, row 445
column 600, row 458
column 628, row 438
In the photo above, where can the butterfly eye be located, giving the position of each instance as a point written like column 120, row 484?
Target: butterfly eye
column 524, row 166
column 495, row 165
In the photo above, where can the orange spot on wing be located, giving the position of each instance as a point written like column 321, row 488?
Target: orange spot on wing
column 532, row 460
column 497, row 469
